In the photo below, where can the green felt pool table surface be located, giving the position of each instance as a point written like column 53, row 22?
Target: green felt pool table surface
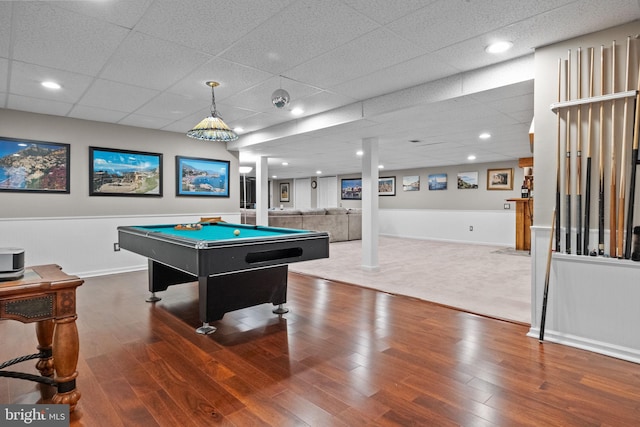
column 222, row 231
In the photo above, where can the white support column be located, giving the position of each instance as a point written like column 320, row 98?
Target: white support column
column 370, row 204
column 262, row 191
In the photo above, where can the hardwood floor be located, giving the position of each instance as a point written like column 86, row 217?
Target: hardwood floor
column 343, row 356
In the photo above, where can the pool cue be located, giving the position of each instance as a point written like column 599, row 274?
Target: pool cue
column 632, row 182
column 558, row 139
column 579, row 158
column 612, row 163
column 601, row 161
column 567, row 175
column 587, row 191
column 623, row 158
column 545, row 295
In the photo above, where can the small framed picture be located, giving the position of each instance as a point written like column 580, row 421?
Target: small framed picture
column 411, row 183
column 500, row 179
column 115, row 172
column 437, row 181
column 467, row 180
column 202, row 177
column 284, row 191
column 34, row 166
column 351, row 189
column 387, row 186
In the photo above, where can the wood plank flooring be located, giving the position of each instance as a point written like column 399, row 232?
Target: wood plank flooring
column 343, row 356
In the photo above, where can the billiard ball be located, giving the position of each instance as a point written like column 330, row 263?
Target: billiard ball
column 236, row 232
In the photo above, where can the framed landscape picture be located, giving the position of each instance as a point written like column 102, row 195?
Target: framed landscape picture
column 202, row 177
column 34, row 166
column 411, row 183
column 351, row 189
column 500, row 179
column 387, row 186
column 116, row 172
column 437, row 181
column 467, row 180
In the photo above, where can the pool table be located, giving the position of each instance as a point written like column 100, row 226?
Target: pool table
column 236, row 265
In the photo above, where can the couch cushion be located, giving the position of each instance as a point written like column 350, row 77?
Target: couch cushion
column 313, row 211
column 284, row 212
column 336, row 211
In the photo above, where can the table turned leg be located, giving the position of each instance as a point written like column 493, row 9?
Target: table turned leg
column 44, row 332
column 66, row 348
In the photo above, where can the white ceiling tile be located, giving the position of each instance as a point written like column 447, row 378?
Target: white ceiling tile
column 369, row 53
column 385, row 11
column 305, row 29
column 209, row 27
column 116, row 96
column 56, row 38
column 5, row 28
column 405, row 74
column 152, row 63
column 36, row 105
column 96, row 114
column 170, row 106
column 139, row 120
column 232, row 77
column 26, row 79
column 121, row 12
column 4, row 74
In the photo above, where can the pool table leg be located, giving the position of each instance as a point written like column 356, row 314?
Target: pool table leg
column 206, row 329
column 281, row 309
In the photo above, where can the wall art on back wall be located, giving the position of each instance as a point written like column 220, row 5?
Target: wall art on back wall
column 387, row 186
column 411, row 183
column 351, row 189
column 284, row 192
column 34, row 166
column 115, row 172
column 500, row 179
column 467, row 180
column 438, row 181
column 202, row 177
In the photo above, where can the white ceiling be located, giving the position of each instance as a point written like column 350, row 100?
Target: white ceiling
column 398, row 70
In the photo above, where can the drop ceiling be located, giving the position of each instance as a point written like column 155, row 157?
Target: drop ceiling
column 412, row 73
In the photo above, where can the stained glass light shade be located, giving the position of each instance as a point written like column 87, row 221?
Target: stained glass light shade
column 212, row 128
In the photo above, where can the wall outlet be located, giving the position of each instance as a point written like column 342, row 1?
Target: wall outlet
column 507, row 206
column 471, row 228
column 116, row 247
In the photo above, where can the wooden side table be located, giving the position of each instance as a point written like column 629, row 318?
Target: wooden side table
column 46, row 295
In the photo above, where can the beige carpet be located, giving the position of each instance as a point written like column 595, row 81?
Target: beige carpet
column 489, row 280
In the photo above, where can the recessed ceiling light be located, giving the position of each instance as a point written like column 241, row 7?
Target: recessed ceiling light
column 499, row 47
column 274, row 176
column 297, row 111
column 318, row 172
column 360, row 153
column 485, row 135
column 285, row 164
column 471, row 157
column 51, row 85
column 238, row 129
column 380, row 166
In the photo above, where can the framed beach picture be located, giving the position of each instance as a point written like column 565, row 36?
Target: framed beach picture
column 202, row 177
column 116, row 172
column 467, row 180
column 34, row 166
column 437, row 181
column 500, row 179
column 284, row 192
column 411, row 183
column 351, row 189
column 387, row 186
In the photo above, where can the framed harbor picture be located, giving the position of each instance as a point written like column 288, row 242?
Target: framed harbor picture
column 500, row 179
column 116, row 172
column 437, row 181
column 411, row 183
column 351, row 189
column 202, row 177
column 387, row 186
column 34, row 166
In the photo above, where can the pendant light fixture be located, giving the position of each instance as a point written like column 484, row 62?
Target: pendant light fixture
column 212, row 128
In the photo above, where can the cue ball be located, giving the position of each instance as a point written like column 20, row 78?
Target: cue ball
column 236, row 232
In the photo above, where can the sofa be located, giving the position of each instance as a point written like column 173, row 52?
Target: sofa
column 342, row 224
